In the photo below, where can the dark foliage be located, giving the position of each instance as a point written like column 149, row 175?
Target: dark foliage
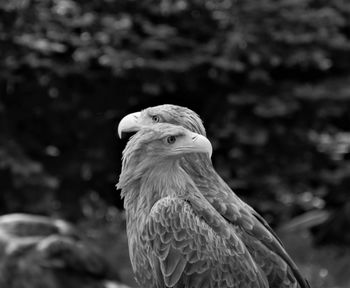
column 269, row 78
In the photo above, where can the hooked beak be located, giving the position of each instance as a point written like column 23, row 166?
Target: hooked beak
column 130, row 123
column 201, row 144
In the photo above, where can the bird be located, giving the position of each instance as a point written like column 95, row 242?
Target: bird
column 262, row 242
column 176, row 237
column 41, row 252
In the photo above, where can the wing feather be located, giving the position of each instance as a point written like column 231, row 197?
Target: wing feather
column 194, row 254
column 260, row 239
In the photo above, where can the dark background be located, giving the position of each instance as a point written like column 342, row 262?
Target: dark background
column 269, row 78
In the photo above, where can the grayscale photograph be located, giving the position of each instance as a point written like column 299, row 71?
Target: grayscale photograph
column 174, row 144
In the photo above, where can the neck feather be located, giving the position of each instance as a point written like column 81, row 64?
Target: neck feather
column 202, row 172
column 147, row 182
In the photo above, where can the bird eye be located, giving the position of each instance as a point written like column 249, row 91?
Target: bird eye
column 171, row 139
column 155, row 118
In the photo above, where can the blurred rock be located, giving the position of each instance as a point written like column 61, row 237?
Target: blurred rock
column 37, row 251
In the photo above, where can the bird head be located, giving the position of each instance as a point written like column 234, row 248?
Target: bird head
column 166, row 113
column 156, row 150
column 163, row 141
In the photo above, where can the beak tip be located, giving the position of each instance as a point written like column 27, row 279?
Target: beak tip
column 128, row 123
column 203, row 143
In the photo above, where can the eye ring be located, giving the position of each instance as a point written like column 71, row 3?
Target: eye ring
column 155, row 118
column 171, row 139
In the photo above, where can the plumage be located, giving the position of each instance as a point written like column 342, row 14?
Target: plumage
column 176, row 237
column 260, row 240
column 37, row 251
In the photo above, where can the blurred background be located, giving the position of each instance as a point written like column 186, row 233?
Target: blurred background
column 270, row 79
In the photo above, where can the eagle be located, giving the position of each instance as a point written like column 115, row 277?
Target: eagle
column 176, row 237
column 258, row 237
column 42, row 252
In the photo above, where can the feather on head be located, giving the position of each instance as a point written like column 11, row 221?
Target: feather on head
column 166, row 113
column 158, row 144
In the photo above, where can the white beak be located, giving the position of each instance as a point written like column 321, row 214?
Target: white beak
column 201, row 144
column 130, row 123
